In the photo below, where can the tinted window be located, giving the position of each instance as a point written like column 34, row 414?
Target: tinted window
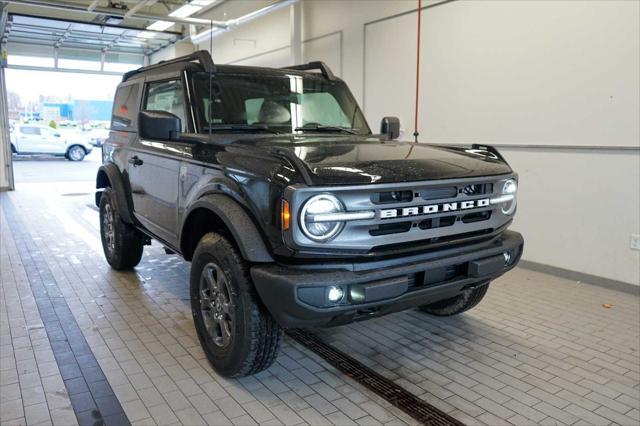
column 125, row 106
column 166, row 96
column 30, row 130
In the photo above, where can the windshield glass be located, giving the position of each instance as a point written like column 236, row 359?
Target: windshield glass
column 277, row 103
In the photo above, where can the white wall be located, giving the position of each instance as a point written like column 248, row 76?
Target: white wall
column 551, row 76
column 179, row 49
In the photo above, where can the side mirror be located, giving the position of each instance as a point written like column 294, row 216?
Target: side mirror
column 159, row 125
column 390, row 126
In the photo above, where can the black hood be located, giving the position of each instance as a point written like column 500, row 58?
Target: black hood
column 337, row 160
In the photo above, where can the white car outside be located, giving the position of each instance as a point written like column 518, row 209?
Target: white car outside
column 39, row 139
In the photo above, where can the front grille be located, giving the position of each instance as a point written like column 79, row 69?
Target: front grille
column 410, row 214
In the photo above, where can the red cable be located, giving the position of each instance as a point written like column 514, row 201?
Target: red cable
column 415, row 124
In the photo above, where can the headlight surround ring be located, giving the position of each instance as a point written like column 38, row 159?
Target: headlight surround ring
column 321, row 204
column 510, row 187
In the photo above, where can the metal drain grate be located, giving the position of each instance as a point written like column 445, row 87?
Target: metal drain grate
column 399, row 397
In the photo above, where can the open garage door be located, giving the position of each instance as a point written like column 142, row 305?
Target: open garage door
column 75, row 65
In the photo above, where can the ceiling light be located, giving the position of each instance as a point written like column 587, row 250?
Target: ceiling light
column 160, row 25
column 202, row 3
column 186, row 10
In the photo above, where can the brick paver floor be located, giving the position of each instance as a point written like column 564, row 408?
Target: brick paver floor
column 537, row 350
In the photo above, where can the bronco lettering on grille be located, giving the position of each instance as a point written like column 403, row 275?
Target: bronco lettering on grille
column 433, row 208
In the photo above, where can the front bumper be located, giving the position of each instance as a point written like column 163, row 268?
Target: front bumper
column 297, row 295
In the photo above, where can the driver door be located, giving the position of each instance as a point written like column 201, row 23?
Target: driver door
column 154, row 166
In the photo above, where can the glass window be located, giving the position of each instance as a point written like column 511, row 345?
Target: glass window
column 124, row 107
column 27, row 130
column 167, row 96
column 285, row 103
column 35, row 61
column 75, row 64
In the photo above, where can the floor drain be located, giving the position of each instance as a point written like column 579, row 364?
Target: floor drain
column 399, row 397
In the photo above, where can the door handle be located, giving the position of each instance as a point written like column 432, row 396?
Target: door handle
column 135, row 161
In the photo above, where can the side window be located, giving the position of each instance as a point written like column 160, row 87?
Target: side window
column 27, row 130
column 124, row 107
column 167, row 96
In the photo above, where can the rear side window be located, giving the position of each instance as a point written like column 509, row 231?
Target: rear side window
column 167, row 96
column 125, row 107
column 30, row 130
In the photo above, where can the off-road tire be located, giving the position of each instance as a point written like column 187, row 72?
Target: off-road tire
column 255, row 336
column 458, row 304
column 128, row 242
column 76, row 153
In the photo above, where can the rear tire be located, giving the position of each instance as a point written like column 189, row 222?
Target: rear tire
column 76, row 153
column 237, row 333
column 458, row 304
column 122, row 243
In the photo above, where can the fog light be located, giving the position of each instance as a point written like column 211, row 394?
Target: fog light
column 357, row 294
column 335, row 294
column 507, row 258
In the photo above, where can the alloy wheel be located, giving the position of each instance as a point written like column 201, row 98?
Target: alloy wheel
column 216, row 305
column 76, row 153
column 109, row 228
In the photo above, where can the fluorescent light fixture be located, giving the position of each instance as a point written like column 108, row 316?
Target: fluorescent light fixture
column 181, row 12
column 186, row 10
column 203, row 3
column 206, row 34
column 160, row 25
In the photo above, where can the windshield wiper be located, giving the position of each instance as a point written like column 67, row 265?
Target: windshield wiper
column 242, row 127
column 322, row 128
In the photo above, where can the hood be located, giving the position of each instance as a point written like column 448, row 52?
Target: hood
column 356, row 160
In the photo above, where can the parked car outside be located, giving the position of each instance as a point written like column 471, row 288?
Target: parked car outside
column 38, row 139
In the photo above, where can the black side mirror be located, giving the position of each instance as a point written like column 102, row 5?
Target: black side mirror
column 159, row 125
column 390, row 126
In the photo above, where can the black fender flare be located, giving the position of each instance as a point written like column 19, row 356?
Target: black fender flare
column 243, row 229
column 117, row 184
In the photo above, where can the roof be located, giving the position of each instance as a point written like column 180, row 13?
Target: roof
column 201, row 61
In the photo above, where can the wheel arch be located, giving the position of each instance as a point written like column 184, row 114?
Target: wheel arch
column 109, row 176
column 220, row 213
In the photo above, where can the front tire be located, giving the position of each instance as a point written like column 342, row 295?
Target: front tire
column 122, row 243
column 458, row 304
column 76, row 153
column 237, row 333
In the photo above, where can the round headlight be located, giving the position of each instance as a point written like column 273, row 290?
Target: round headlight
column 510, row 187
column 317, row 205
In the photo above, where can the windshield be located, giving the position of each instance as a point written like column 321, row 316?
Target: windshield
column 277, row 103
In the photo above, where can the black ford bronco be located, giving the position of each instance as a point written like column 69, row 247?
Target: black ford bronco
column 291, row 211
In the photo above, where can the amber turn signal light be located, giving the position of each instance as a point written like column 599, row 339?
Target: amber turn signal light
column 285, row 215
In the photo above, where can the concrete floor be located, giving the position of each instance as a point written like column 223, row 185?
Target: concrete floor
column 78, row 338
